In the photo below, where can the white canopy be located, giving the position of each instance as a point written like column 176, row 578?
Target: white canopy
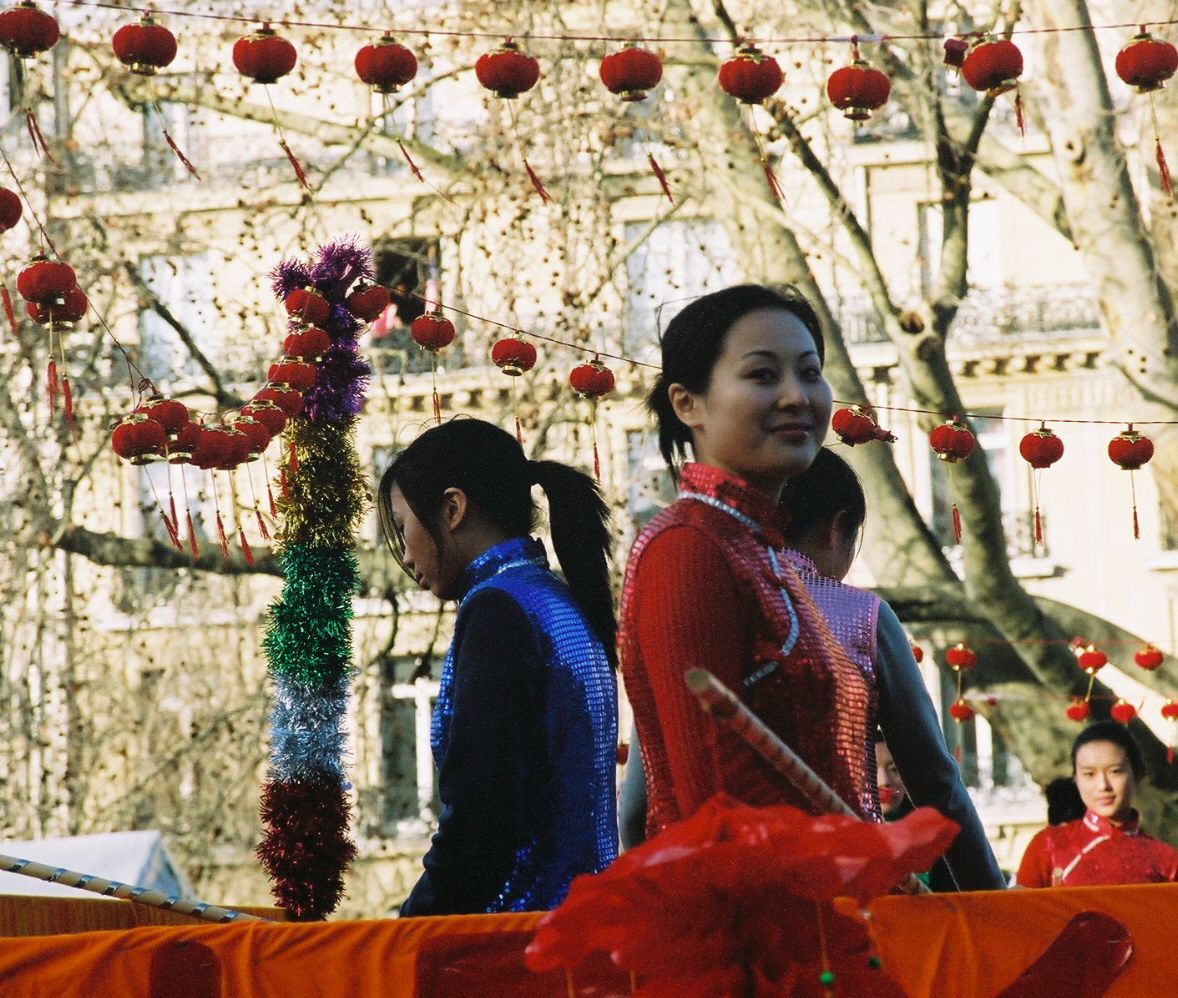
column 137, row 858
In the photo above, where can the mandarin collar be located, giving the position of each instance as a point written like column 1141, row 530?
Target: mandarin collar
column 511, row 553
column 1102, row 826
column 734, row 496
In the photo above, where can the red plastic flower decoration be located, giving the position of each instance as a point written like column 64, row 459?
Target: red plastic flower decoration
column 727, row 901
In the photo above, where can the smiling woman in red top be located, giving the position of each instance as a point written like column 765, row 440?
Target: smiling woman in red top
column 1107, row 845
column 706, row 585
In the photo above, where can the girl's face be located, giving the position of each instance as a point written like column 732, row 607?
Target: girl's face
column 887, row 777
column 766, row 409
column 1105, row 780
column 421, row 557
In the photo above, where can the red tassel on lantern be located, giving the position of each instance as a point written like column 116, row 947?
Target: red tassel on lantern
column 1146, row 63
column 1040, row 448
column 433, row 332
column 952, row 442
column 631, row 73
column 751, row 77
column 514, row 357
column 508, row 72
column 265, row 57
column 593, row 381
column 1170, row 713
column 1130, row 450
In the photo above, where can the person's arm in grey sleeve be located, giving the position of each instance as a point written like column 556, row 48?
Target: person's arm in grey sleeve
column 929, row 772
column 632, row 798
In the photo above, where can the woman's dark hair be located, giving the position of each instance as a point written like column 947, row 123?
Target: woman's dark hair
column 489, row 466
column 1118, row 734
column 817, row 495
column 693, row 340
column 1064, row 802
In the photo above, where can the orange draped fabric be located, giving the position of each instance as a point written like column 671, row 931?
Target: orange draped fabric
column 951, row 946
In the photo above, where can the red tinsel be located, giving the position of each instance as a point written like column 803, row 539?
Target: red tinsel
column 306, row 847
column 727, row 902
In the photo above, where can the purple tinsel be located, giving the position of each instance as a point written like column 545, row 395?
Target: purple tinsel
column 343, row 373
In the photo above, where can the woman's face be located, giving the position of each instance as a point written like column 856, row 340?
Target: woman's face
column 766, row 409
column 887, row 778
column 1105, row 780
column 421, row 559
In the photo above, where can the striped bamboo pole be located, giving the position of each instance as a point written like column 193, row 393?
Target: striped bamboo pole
column 127, row 892
column 722, row 704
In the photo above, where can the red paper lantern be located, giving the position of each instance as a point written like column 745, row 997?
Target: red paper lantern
column 855, row 425
column 386, row 66
column 288, row 399
column 306, row 344
column 960, row 657
column 1041, row 448
column 144, row 47
column 593, row 380
column 181, row 446
column 210, row 449
column 138, row 439
column 513, row 356
column 1148, row 657
column 631, row 73
column 171, row 414
column 960, row 711
column 993, row 65
column 266, row 412
column 45, row 280
column 955, row 50
column 10, row 209
column 264, row 56
column 1123, row 711
column 307, row 304
column 368, row 301
column 255, row 431
column 1091, row 659
column 1170, row 710
column 1145, row 62
column 750, row 76
column 858, row 89
column 432, row 331
column 952, row 441
column 293, row 374
column 26, row 30
column 235, row 448
column 1130, row 450
column 54, row 311
column 508, row 71
column 1078, row 710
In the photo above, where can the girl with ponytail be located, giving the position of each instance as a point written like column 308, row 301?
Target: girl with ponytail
column 525, row 723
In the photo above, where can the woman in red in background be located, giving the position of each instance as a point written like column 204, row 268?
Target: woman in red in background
column 1106, row 846
column 706, row 586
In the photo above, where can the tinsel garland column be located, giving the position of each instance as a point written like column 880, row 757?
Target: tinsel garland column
column 307, row 845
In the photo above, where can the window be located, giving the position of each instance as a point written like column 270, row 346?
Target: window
column 676, row 262
column 410, row 269
column 183, row 286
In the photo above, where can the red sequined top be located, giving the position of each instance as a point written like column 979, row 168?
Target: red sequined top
column 1093, row 850
column 705, row 586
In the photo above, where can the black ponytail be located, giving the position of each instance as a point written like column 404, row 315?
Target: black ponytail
column 488, row 464
column 580, row 523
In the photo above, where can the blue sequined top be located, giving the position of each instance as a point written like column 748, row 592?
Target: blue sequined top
column 524, row 734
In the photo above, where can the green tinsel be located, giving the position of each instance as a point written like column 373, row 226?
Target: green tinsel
column 327, row 495
column 308, row 638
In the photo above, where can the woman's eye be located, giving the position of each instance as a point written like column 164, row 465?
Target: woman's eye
column 763, row 374
column 812, row 374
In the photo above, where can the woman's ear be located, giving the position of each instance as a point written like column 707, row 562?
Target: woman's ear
column 686, row 405
column 455, row 507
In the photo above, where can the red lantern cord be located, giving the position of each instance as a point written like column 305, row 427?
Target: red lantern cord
column 537, row 186
column 952, row 442
column 187, row 163
column 224, row 540
column 1170, row 713
column 300, row 173
column 8, row 310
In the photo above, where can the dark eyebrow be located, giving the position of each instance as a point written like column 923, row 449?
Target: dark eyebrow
column 772, row 355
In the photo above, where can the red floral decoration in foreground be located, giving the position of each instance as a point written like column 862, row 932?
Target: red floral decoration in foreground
column 736, row 900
